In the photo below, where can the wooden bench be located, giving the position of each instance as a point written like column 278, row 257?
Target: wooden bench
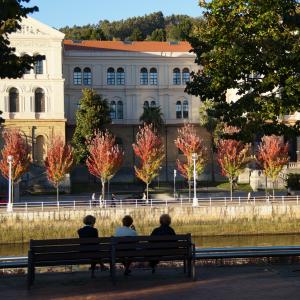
column 63, row 252
column 154, row 248
column 112, row 250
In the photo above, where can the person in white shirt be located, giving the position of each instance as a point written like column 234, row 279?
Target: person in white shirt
column 127, row 229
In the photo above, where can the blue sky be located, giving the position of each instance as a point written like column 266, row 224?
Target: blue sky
column 59, row 13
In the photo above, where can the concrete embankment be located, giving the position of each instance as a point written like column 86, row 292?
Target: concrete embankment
column 215, row 220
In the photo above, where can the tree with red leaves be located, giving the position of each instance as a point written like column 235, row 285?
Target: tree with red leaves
column 105, row 157
column 233, row 156
column 188, row 143
column 16, row 146
column 150, row 150
column 58, row 162
column 272, row 155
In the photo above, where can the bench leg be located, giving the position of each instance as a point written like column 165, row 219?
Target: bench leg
column 30, row 275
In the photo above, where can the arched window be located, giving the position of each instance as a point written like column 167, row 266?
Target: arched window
column 146, row 104
column 120, row 76
column 178, row 110
column 185, row 109
column 77, row 77
column 87, row 76
column 153, row 104
column 113, row 110
column 120, row 110
column 176, row 77
column 14, row 100
column 144, row 76
column 39, row 100
column 111, row 80
column 153, row 76
column 39, row 67
column 185, row 75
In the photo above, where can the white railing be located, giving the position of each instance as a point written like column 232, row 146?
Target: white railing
column 136, row 203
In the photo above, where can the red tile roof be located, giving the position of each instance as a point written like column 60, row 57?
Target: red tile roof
column 145, row 46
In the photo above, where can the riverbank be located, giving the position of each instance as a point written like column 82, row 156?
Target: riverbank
column 20, row 227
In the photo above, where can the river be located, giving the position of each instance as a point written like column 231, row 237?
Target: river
column 204, row 242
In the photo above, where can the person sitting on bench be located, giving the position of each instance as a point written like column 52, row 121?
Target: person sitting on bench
column 163, row 229
column 127, row 229
column 88, row 231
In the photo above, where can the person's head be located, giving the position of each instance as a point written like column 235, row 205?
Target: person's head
column 127, row 221
column 89, row 220
column 165, row 219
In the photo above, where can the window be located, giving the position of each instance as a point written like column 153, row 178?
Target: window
column 111, row 76
column 178, row 110
column 38, row 67
column 144, row 76
column 120, row 76
column 176, row 77
column 153, row 104
column 77, row 77
column 14, row 101
column 153, row 76
column 113, row 110
column 185, row 109
column 146, row 104
column 39, row 100
column 185, row 75
column 120, row 110
column 87, row 76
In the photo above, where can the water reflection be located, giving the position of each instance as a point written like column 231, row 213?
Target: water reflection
column 205, row 242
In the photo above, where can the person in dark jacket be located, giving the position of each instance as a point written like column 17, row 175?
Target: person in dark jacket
column 88, row 231
column 163, row 229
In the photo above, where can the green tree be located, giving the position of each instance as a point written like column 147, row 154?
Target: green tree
column 251, row 47
column 136, row 35
column 158, row 35
column 154, row 116
column 11, row 65
column 92, row 115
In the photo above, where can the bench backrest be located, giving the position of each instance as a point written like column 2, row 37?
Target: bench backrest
column 152, row 246
column 70, row 249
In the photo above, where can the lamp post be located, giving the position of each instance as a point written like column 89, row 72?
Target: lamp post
column 10, row 160
column 175, row 174
column 195, row 199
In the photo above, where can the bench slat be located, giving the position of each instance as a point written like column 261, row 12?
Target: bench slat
column 72, row 248
column 152, row 245
column 149, row 253
column 73, row 241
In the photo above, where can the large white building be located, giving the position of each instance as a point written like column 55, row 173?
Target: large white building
column 130, row 75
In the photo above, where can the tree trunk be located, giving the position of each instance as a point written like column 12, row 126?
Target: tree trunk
column 103, row 189
column 147, row 193
column 266, row 188
column 231, row 188
column 273, row 186
column 212, row 163
column 57, row 193
column 189, row 190
column 12, row 192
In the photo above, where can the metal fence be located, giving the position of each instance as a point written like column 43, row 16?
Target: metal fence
column 136, row 203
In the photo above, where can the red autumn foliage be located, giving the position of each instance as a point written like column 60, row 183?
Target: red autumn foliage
column 59, row 160
column 188, row 142
column 272, row 155
column 150, row 150
column 16, row 145
column 232, row 156
column 105, row 157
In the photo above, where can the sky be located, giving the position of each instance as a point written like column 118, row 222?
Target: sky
column 60, row 13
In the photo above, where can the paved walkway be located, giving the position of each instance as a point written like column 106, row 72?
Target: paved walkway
column 230, row 282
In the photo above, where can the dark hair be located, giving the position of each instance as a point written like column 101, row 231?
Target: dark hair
column 89, row 220
column 127, row 221
column 165, row 219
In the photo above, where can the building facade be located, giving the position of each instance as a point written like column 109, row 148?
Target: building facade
column 129, row 75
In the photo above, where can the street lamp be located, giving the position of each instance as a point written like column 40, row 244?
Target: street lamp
column 175, row 174
column 10, row 160
column 195, row 199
